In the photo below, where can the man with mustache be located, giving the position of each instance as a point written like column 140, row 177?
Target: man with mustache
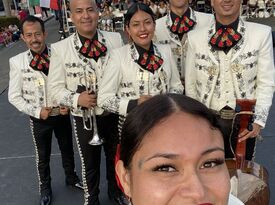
column 232, row 59
column 27, row 92
column 172, row 29
column 78, row 63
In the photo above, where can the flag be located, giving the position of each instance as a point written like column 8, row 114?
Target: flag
column 45, row 3
column 34, row 2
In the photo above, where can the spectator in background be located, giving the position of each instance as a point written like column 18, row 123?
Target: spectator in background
column 162, row 9
column 13, row 29
column 44, row 13
column 106, row 18
column 22, row 14
column 154, row 7
column 5, row 37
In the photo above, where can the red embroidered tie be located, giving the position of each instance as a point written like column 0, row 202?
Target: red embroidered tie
column 93, row 49
column 150, row 62
column 182, row 25
column 41, row 63
column 225, row 38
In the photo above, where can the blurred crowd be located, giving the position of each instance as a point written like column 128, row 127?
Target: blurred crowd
column 9, row 34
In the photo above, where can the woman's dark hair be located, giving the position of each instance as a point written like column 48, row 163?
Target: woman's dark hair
column 134, row 8
column 33, row 19
column 145, row 116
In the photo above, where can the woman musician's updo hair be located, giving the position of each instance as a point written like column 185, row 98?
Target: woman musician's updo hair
column 134, row 8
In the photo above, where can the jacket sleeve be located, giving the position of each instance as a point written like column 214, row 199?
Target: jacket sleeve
column 109, row 86
column 265, row 80
column 175, row 82
column 15, row 95
column 57, row 90
column 190, row 72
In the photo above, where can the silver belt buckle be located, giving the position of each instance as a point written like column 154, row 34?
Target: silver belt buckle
column 227, row 114
column 55, row 111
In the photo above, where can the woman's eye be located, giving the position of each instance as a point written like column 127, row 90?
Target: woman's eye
column 213, row 163
column 164, row 168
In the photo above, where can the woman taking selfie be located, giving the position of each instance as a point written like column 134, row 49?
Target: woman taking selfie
column 172, row 153
column 140, row 69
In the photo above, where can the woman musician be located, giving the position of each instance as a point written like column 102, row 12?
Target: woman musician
column 140, row 69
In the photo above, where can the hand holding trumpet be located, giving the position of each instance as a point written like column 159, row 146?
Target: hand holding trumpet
column 64, row 110
column 45, row 112
column 87, row 99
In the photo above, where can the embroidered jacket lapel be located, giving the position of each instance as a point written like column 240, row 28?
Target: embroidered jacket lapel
column 143, row 76
column 213, row 54
column 238, row 48
column 172, row 36
column 77, row 45
column 30, row 56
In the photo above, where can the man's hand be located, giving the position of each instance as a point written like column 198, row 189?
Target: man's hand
column 87, row 100
column 143, row 98
column 64, row 110
column 44, row 113
column 250, row 134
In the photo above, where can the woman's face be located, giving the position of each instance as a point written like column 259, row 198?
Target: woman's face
column 180, row 162
column 141, row 29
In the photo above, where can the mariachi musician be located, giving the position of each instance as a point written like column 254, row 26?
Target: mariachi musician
column 27, row 92
column 140, row 69
column 172, row 29
column 75, row 72
column 228, row 60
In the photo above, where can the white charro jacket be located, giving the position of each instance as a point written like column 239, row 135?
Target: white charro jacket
column 27, row 87
column 163, row 35
column 251, row 67
column 68, row 66
column 125, row 80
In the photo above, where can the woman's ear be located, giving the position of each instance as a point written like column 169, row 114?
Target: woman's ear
column 124, row 177
column 127, row 32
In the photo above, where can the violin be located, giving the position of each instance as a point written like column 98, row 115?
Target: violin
column 249, row 180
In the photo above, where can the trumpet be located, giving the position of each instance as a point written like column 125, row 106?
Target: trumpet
column 88, row 114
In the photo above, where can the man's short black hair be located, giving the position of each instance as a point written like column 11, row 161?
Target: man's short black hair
column 33, row 19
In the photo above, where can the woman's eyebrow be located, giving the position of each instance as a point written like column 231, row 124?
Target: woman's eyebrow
column 157, row 155
column 214, row 149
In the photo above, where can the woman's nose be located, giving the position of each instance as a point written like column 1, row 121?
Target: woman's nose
column 192, row 187
column 142, row 27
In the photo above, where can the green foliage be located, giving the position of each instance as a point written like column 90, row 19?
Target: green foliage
column 6, row 21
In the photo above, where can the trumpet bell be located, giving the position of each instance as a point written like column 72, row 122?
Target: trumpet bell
column 96, row 140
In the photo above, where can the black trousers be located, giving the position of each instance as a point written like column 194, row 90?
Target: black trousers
column 42, row 131
column 226, row 131
column 90, row 155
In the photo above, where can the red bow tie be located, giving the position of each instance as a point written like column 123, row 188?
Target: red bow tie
column 225, row 38
column 41, row 63
column 93, row 49
column 150, row 62
column 182, row 25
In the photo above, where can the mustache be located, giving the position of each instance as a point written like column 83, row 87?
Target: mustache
column 36, row 42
